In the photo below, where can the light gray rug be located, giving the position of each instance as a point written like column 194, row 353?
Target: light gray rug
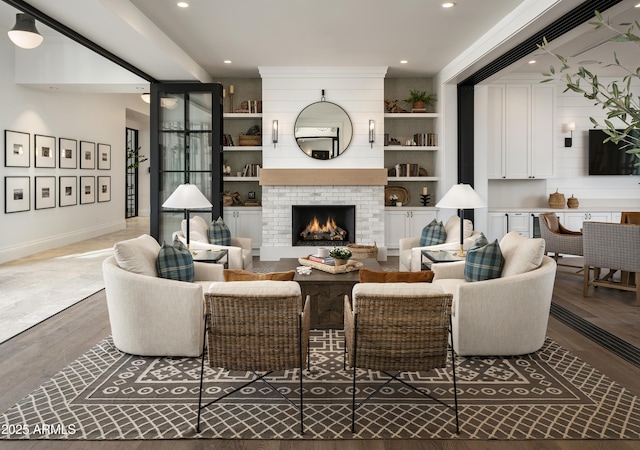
column 106, row 394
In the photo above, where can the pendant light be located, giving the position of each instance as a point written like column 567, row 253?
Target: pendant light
column 24, row 33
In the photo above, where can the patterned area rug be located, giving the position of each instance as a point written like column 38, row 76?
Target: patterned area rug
column 106, row 394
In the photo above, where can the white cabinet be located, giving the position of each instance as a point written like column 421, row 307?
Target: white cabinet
column 245, row 222
column 573, row 220
column 497, row 226
column 400, row 223
column 520, row 131
column 519, row 222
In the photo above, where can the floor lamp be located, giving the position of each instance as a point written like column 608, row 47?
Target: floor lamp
column 461, row 196
column 187, row 196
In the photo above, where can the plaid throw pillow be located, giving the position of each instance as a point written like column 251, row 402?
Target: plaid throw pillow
column 483, row 263
column 433, row 234
column 175, row 262
column 219, row 233
column 481, row 241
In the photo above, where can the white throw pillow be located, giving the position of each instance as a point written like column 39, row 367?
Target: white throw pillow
column 520, row 254
column 138, row 255
column 452, row 228
column 198, row 229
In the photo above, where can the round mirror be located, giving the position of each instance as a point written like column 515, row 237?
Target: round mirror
column 323, row 130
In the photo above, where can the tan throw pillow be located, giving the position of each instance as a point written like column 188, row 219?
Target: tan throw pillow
column 243, row 275
column 521, row 254
column 375, row 276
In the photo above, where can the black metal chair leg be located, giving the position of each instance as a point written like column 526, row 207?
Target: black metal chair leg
column 204, row 343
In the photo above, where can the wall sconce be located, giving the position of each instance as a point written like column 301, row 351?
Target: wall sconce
column 275, row 133
column 146, row 97
column 568, row 142
column 24, row 33
column 372, row 132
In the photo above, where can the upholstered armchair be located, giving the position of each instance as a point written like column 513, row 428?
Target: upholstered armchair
column 410, row 258
column 502, row 316
column 152, row 316
column 558, row 239
column 239, row 252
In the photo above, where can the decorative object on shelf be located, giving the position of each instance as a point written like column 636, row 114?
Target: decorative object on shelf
column 573, row 202
column 187, row 197
column 231, row 92
column 393, row 199
column 419, row 100
column 24, row 33
column 406, row 170
column 391, row 106
column 556, row 200
column 232, row 199
column 425, row 197
column 363, row 251
column 252, row 137
column 401, row 193
column 274, row 134
column 570, row 127
column 461, row 196
column 372, row 132
column 250, row 107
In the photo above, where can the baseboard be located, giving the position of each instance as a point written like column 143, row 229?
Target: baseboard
column 51, row 242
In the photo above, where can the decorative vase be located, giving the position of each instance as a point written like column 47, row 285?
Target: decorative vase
column 573, row 202
column 340, row 262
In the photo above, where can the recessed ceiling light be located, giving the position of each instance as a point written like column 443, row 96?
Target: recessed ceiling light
column 183, row 4
column 404, row 61
column 227, row 61
column 638, row 5
column 533, row 61
column 448, row 4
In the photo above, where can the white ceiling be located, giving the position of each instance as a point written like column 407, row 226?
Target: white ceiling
column 171, row 43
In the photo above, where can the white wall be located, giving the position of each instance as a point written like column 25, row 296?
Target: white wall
column 98, row 118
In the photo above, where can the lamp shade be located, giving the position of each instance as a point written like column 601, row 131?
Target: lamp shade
column 461, row 196
column 24, row 33
column 187, row 196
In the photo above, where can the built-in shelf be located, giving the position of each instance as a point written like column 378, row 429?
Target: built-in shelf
column 411, row 115
column 242, row 148
column 241, row 178
column 242, row 115
column 410, row 148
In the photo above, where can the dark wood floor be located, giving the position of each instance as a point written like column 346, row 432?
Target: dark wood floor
column 31, row 358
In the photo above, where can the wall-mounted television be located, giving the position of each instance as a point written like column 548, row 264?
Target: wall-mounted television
column 607, row 158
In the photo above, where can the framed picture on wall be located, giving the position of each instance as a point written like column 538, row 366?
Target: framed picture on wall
column 104, row 189
column 87, row 190
column 45, row 188
column 17, row 194
column 104, row 157
column 45, row 151
column 87, row 155
column 67, row 191
column 17, row 149
column 67, row 153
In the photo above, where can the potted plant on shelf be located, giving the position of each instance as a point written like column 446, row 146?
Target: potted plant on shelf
column 340, row 255
column 420, row 100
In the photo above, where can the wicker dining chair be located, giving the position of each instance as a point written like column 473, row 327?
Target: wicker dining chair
column 398, row 327
column 256, row 326
column 630, row 217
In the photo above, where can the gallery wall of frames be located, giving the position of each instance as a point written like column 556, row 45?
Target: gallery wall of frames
column 69, row 172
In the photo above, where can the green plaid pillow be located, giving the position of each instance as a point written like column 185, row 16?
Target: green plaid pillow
column 483, row 263
column 175, row 262
column 481, row 241
column 219, row 233
column 433, row 234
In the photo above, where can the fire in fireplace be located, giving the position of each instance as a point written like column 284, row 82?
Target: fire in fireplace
column 323, row 224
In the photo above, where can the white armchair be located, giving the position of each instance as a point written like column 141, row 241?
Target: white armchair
column 503, row 316
column 152, row 316
column 410, row 258
column 240, row 255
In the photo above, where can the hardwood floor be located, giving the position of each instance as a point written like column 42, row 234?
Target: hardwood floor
column 32, row 357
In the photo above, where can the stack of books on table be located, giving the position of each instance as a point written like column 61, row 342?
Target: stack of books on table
column 328, row 260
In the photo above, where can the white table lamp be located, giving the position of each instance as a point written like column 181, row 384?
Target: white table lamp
column 187, row 196
column 461, row 196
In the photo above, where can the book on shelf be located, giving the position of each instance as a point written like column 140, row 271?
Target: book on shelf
column 251, row 170
column 328, row 260
column 227, row 140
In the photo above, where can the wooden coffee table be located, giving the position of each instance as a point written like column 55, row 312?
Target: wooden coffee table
column 326, row 291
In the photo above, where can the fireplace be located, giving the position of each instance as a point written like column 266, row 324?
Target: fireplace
column 323, row 225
